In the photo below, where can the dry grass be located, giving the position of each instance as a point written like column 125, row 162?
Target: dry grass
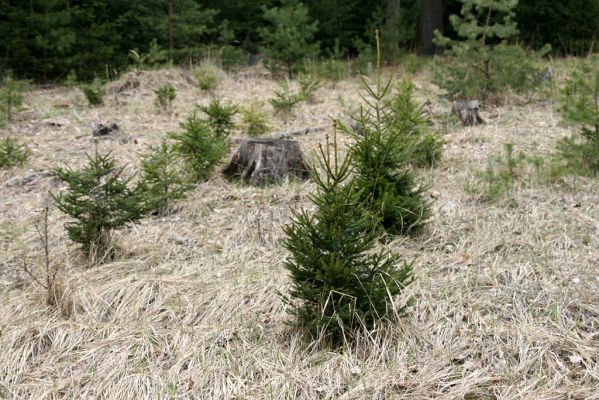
column 505, row 301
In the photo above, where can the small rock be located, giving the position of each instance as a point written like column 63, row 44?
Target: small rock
column 31, row 177
column 103, row 130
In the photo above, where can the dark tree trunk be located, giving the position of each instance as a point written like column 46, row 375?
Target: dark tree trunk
column 431, row 18
column 170, row 30
column 266, row 161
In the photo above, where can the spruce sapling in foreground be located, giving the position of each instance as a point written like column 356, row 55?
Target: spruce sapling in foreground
column 163, row 178
column 100, row 199
column 200, row 147
column 340, row 283
column 381, row 159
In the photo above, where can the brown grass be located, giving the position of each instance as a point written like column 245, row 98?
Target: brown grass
column 505, row 301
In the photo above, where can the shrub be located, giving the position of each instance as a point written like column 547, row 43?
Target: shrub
column 99, row 199
column 483, row 64
column 207, row 79
column 500, row 175
column 580, row 107
column 220, row 117
column 308, row 87
column 94, row 93
column 163, row 177
column 289, row 38
column 200, row 147
column 420, row 147
column 165, row 95
column 285, row 101
column 12, row 154
column 50, row 275
column 381, row 158
column 11, row 97
column 254, row 120
column 339, row 282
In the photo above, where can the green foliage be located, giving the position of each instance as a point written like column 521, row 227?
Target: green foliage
column 580, row 106
column 165, row 95
column 381, row 154
column 200, row 147
column 309, row 84
column 207, row 79
column 12, row 154
column 570, row 26
column 340, row 283
column 500, row 175
column 163, row 177
column 420, row 147
column 482, row 64
column 11, row 97
column 290, row 37
column 220, row 117
column 94, row 93
column 254, row 120
column 285, row 100
column 99, row 199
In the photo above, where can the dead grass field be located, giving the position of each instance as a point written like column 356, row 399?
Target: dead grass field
column 506, row 300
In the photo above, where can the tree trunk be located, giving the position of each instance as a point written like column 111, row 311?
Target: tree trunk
column 431, row 18
column 170, row 30
column 265, row 161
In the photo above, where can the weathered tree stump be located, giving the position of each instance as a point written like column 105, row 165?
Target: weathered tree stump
column 264, row 161
column 467, row 112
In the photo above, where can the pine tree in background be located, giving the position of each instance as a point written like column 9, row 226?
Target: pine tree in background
column 290, row 37
column 99, row 199
column 340, row 283
column 482, row 63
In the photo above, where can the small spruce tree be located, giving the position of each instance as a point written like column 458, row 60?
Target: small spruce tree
column 11, row 97
column 200, row 147
column 163, row 178
column 483, row 63
column 340, row 283
column 290, row 37
column 94, row 93
column 580, row 106
column 220, row 117
column 99, row 199
column 420, row 146
column 165, row 95
column 380, row 154
column 12, row 153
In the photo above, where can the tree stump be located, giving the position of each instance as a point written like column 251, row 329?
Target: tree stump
column 467, row 112
column 265, row 161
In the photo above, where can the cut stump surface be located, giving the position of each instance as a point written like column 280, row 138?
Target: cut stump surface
column 265, row 161
column 467, row 112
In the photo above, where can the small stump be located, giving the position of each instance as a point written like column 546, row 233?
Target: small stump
column 467, row 112
column 265, row 161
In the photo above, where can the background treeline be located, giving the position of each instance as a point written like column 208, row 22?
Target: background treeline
column 48, row 39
